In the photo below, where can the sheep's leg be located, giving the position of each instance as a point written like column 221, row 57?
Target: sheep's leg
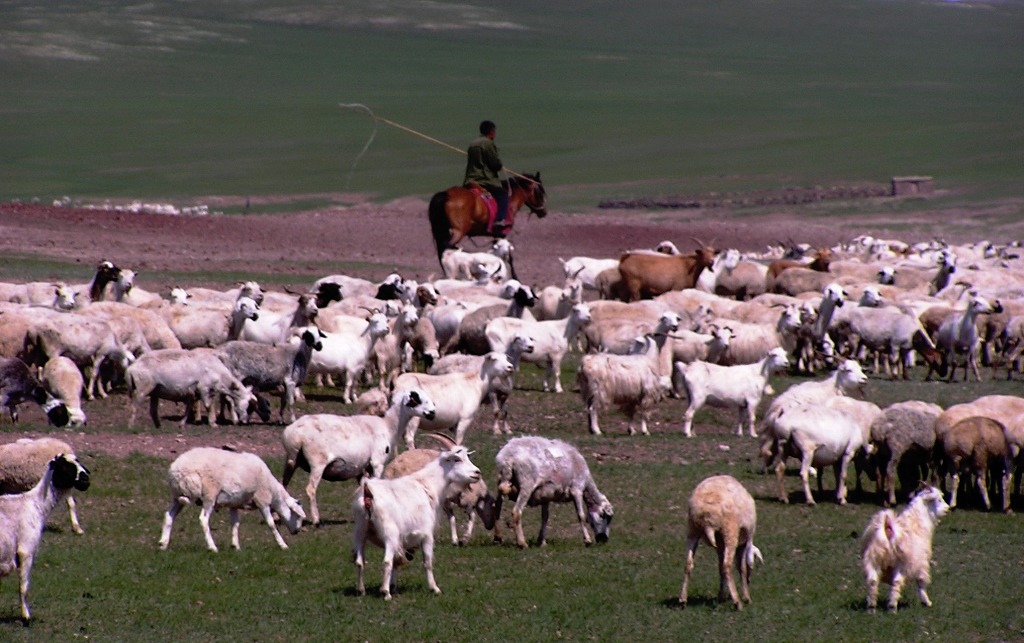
column 726, row 546
column 592, row 420
column 890, row 480
column 461, row 428
column 468, row 532
column 358, row 545
column 498, row 409
column 972, row 362
column 428, row 563
column 517, row 517
column 894, row 593
column 24, row 563
column 204, row 521
column 154, row 409
column 172, row 512
column 410, row 433
column 872, row 581
column 691, row 410
column 1007, row 482
column 643, row 423
column 288, row 400
column 691, row 549
column 982, row 487
column 555, row 372
column 267, row 518
column 744, row 561
column 955, row 481
column 315, row 474
column 780, row 476
column 805, row 473
column 94, row 377
column 841, row 478
column 450, row 512
column 235, row 521
column 77, row 528
column 388, row 574
column 922, row 590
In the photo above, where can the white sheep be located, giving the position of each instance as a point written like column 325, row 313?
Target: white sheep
column 538, row 471
column 216, row 478
column 895, row 548
column 337, row 448
column 722, row 513
column 23, row 517
column 740, row 387
column 23, row 462
column 400, row 515
column 348, row 353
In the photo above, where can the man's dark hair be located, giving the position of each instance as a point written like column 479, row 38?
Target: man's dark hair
column 486, row 127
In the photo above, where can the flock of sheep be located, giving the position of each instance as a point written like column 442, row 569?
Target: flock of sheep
column 709, row 326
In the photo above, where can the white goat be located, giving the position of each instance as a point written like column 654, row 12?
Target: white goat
column 552, row 340
column 740, row 387
column 895, row 548
column 959, row 334
column 722, row 513
column 337, row 448
column 400, row 515
column 456, row 396
column 23, row 516
column 216, row 478
column 348, row 353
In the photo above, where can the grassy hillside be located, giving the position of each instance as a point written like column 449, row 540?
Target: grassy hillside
column 175, row 99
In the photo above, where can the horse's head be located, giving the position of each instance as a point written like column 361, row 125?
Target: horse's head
column 535, row 196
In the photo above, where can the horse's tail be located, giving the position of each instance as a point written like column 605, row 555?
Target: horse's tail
column 440, row 227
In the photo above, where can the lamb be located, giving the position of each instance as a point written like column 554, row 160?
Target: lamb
column 216, row 478
column 23, row 462
column 268, row 367
column 552, row 340
column 64, row 382
column 897, row 547
column 337, row 448
column 475, row 500
column 633, row 382
column 974, row 445
column 399, row 515
column 904, row 432
column 23, row 517
column 723, row 514
column 457, row 396
column 538, row 471
column 200, row 327
column 740, row 387
column 17, row 384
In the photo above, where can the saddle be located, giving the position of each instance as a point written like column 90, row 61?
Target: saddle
column 489, row 202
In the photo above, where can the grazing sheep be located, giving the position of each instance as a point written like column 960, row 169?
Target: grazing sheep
column 475, row 500
column 17, row 384
column 337, row 448
column 722, row 513
column 23, row 462
column 538, row 471
column 399, row 515
column 23, row 517
column 904, row 432
column 65, row 382
column 740, row 387
column 895, row 548
column 976, row 445
column 215, row 478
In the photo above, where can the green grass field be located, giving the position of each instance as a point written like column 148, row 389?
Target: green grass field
column 608, row 99
column 113, row 583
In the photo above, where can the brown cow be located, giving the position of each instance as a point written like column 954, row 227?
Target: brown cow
column 646, row 275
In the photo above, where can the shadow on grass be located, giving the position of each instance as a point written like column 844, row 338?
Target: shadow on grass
column 706, row 602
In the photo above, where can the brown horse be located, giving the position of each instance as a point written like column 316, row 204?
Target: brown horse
column 458, row 212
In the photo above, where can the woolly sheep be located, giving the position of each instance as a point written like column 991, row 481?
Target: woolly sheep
column 895, row 548
column 216, row 478
column 975, row 445
column 64, row 381
column 904, row 432
column 722, row 513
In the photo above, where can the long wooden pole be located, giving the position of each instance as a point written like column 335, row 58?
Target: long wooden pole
column 381, row 119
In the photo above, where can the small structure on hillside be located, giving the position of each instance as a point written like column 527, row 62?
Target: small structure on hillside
column 911, row 185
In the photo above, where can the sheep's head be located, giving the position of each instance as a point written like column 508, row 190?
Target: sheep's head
column 69, row 473
column 599, row 516
column 932, row 499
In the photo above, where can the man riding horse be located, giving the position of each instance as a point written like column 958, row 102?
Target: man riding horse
column 482, row 168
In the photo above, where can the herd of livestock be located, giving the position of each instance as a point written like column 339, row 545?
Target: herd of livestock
column 710, row 327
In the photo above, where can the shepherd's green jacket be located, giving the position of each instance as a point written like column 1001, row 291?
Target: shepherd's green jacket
column 483, row 164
